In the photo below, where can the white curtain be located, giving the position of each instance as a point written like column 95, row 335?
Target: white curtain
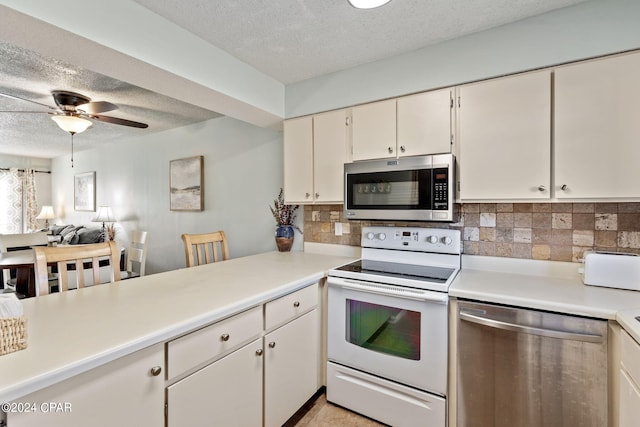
column 18, row 208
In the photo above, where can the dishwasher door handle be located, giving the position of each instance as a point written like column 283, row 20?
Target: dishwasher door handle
column 549, row 333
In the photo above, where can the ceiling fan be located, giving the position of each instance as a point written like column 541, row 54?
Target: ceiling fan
column 76, row 106
column 73, row 111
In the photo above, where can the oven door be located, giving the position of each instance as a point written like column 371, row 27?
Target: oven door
column 390, row 331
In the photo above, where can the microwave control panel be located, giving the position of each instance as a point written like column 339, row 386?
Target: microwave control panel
column 440, row 189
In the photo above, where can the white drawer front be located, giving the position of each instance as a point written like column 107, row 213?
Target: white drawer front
column 194, row 349
column 630, row 357
column 290, row 306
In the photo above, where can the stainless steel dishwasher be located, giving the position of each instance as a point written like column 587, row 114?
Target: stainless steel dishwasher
column 519, row 368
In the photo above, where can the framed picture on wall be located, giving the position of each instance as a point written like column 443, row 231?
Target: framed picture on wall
column 186, row 180
column 84, row 192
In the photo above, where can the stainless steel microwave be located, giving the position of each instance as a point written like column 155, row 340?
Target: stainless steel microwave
column 418, row 188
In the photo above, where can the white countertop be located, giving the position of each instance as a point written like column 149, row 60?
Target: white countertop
column 544, row 285
column 72, row 332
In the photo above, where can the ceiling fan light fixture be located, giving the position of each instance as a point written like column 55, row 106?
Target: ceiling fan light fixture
column 368, row 4
column 71, row 124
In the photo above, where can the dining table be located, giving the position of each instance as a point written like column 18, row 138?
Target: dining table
column 23, row 262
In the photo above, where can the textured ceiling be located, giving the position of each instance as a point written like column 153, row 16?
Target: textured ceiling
column 29, row 75
column 293, row 40
column 290, row 40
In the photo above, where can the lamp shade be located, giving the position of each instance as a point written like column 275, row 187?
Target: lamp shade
column 368, row 4
column 71, row 124
column 104, row 215
column 46, row 213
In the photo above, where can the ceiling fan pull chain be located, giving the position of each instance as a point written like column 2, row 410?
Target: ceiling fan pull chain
column 71, row 148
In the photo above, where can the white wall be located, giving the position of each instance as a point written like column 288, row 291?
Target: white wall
column 586, row 30
column 242, row 173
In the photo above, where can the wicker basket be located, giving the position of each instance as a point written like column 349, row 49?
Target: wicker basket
column 13, row 334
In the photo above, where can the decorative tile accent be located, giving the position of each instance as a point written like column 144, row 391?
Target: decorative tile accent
column 522, row 235
column 551, row 231
column 561, row 220
column 487, row 219
column 606, row 221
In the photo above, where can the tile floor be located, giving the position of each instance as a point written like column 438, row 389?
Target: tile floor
column 325, row 414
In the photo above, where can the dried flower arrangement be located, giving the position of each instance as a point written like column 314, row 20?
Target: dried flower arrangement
column 111, row 231
column 284, row 214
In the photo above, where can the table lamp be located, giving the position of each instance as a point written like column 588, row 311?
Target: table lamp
column 104, row 215
column 46, row 213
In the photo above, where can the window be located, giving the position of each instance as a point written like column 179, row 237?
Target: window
column 18, row 209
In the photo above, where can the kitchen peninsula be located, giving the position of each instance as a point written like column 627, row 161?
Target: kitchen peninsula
column 92, row 333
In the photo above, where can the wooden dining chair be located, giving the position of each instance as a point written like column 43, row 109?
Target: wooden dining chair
column 205, row 248
column 77, row 256
column 136, row 255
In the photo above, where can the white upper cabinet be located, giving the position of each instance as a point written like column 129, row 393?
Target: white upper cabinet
column 504, row 134
column 315, row 150
column 407, row 126
column 425, row 123
column 329, row 156
column 597, row 129
column 298, row 160
column 374, row 130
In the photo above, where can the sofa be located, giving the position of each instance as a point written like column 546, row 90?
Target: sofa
column 75, row 234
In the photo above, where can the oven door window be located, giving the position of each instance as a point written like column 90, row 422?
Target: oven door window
column 383, row 329
column 410, row 189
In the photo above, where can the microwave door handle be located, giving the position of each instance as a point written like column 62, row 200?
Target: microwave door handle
column 385, row 290
column 543, row 332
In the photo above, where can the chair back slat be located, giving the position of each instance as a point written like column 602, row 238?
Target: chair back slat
column 203, row 248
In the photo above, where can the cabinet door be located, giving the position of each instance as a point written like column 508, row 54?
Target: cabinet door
column 298, row 160
column 374, row 130
column 329, row 156
column 629, row 401
column 505, row 138
column 424, row 123
column 291, row 368
column 597, row 131
column 122, row 392
column 226, row 393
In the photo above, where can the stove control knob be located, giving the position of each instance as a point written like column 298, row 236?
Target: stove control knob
column 382, row 236
column 370, row 236
column 446, row 240
column 432, row 239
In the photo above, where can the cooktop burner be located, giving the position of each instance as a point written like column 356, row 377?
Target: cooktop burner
column 393, row 269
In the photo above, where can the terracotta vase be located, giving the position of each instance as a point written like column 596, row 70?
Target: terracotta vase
column 284, row 237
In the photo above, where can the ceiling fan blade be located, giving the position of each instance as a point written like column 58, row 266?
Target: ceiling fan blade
column 27, row 100
column 117, row 121
column 22, row 112
column 97, row 107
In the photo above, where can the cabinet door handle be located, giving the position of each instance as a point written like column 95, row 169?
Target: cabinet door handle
column 564, row 187
column 272, row 344
column 259, row 352
column 317, row 195
column 224, row 337
column 296, row 304
column 541, row 188
column 306, row 195
column 390, row 150
column 403, row 148
column 155, row 371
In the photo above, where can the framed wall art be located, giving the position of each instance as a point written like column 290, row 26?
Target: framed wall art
column 84, row 192
column 186, row 180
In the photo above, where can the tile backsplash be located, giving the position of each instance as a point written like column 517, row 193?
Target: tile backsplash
column 545, row 231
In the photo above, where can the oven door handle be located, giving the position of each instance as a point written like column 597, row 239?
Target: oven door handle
column 387, row 290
